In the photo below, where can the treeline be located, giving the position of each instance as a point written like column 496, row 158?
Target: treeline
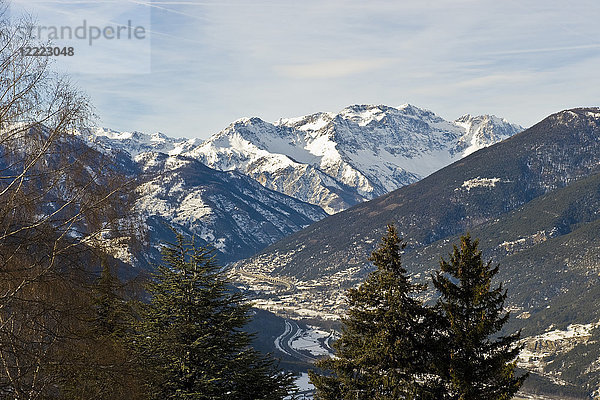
column 394, row 346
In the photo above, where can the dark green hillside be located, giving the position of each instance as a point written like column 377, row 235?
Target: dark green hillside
column 549, row 251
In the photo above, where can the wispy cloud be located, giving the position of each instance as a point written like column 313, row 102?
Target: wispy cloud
column 215, row 61
column 331, row 69
column 543, row 50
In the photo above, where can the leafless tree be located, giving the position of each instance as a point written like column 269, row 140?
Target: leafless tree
column 63, row 205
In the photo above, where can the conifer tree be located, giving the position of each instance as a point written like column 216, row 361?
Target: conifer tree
column 190, row 334
column 475, row 363
column 111, row 309
column 381, row 353
column 104, row 365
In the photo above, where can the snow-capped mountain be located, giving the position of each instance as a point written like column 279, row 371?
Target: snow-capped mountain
column 225, row 209
column 135, row 143
column 338, row 160
column 256, row 182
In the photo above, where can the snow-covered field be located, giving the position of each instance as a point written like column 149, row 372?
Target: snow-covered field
column 313, row 340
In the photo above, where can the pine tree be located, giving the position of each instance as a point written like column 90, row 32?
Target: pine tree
column 190, row 334
column 381, row 353
column 475, row 362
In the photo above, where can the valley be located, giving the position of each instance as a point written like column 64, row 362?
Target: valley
column 532, row 199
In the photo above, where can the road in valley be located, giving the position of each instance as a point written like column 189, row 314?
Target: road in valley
column 284, row 341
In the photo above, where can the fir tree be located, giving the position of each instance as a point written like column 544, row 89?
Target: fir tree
column 190, row 334
column 475, row 362
column 106, row 367
column 381, row 353
column 112, row 312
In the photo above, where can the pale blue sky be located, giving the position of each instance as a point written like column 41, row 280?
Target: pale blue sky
column 215, row 61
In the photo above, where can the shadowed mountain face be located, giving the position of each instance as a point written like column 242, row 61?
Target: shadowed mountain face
column 226, row 210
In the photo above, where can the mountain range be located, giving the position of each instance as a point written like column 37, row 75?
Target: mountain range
column 338, row 160
column 256, row 182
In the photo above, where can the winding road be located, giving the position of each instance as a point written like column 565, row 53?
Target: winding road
column 289, row 286
column 284, row 341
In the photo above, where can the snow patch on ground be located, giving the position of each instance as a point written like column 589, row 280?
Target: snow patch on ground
column 573, row 331
column 305, row 387
column 303, row 382
column 509, row 245
column 595, row 115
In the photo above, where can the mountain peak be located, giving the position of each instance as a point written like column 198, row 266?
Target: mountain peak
column 363, row 114
column 410, row 109
column 246, row 121
column 336, row 160
column 483, row 130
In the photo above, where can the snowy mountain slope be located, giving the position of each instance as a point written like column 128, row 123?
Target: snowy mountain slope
column 277, row 158
column 338, row 160
column 135, row 143
column 225, row 209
